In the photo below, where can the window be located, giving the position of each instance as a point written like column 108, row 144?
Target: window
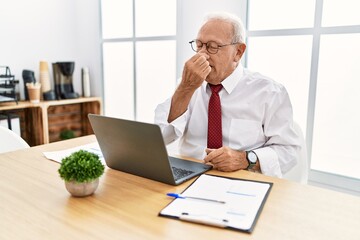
column 155, row 82
column 119, row 79
column 335, row 144
column 138, row 37
column 340, row 13
column 311, row 47
column 268, row 15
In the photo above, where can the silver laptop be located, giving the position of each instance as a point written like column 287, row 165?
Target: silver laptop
column 138, row 148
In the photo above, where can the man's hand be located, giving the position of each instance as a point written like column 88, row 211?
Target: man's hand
column 195, row 72
column 226, row 159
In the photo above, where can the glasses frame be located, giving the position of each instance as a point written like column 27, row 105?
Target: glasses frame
column 207, row 46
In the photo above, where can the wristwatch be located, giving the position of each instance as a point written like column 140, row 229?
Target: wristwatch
column 252, row 159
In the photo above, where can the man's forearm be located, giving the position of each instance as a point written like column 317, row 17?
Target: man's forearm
column 179, row 103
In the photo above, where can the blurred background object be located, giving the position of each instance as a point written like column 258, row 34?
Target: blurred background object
column 85, row 75
column 28, row 77
column 63, row 78
column 7, row 85
column 47, row 92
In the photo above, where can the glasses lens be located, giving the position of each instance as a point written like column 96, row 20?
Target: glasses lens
column 198, row 44
column 212, row 47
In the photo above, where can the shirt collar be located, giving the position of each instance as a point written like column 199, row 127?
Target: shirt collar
column 231, row 81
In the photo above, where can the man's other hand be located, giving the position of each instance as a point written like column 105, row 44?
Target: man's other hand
column 226, row 159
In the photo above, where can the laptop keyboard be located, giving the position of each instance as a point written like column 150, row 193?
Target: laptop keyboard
column 180, row 173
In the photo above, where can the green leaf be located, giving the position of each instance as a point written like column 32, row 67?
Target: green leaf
column 81, row 166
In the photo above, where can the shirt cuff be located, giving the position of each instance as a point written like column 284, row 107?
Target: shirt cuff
column 172, row 131
column 179, row 124
column 269, row 163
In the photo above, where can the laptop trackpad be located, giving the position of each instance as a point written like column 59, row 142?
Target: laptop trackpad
column 187, row 169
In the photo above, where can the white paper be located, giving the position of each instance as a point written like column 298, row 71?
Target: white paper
column 59, row 155
column 242, row 199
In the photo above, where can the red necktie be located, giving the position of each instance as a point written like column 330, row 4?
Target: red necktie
column 214, row 118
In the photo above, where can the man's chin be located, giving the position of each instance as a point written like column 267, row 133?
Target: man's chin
column 212, row 81
column 210, row 78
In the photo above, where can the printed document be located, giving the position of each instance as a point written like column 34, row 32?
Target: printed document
column 57, row 156
column 220, row 201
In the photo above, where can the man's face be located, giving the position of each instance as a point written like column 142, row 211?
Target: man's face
column 224, row 62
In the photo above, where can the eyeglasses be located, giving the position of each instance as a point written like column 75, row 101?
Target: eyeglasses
column 211, row 46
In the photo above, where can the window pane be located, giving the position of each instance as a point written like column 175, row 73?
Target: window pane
column 340, row 13
column 287, row 60
column 118, row 79
column 281, row 14
column 156, row 76
column 337, row 116
column 155, row 18
column 117, row 18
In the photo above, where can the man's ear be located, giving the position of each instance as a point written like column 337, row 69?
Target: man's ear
column 241, row 47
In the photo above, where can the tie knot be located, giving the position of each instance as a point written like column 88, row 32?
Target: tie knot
column 215, row 88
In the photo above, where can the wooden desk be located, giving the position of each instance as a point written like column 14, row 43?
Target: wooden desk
column 34, row 204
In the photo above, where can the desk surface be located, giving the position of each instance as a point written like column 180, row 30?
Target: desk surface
column 34, row 204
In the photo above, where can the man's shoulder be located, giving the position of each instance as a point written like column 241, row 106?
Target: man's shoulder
column 261, row 81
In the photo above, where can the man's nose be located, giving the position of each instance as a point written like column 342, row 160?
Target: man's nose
column 203, row 48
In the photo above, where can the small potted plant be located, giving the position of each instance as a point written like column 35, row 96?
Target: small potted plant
column 67, row 134
column 81, row 171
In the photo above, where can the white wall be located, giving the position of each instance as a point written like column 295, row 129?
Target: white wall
column 58, row 30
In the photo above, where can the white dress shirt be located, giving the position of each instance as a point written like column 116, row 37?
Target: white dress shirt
column 256, row 115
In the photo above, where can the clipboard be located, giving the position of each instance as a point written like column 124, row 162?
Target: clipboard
column 218, row 201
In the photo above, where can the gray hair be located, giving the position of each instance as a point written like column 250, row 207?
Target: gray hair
column 238, row 27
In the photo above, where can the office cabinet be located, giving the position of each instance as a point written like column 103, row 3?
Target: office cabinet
column 43, row 122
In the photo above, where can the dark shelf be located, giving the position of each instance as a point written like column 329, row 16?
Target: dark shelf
column 7, row 85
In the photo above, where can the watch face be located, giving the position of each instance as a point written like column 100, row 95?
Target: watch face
column 252, row 157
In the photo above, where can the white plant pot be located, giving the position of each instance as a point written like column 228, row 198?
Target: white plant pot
column 83, row 189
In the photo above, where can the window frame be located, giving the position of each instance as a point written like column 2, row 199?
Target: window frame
column 134, row 39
